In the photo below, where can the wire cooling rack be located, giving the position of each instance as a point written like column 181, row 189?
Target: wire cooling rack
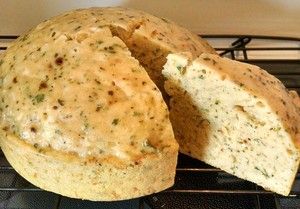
column 197, row 185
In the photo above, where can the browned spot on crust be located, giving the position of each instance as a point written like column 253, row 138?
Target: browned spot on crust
column 33, row 129
column 59, row 61
column 15, row 80
column 43, row 85
column 111, row 93
column 61, row 102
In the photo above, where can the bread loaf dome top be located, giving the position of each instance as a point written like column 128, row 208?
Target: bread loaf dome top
column 149, row 38
column 162, row 31
column 70, row 85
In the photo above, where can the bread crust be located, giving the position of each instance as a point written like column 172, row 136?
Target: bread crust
column 80, row 115
column 90, row 178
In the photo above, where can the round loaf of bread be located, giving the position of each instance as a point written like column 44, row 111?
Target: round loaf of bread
column 79, row 115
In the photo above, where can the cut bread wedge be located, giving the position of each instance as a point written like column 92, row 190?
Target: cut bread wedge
column 236, row 117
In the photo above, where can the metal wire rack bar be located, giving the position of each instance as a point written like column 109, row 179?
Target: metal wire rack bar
column 58, row 203
column 258, row 48
column 13, row 189
column 6, row 168
column 198, row 191
column 238, row 192
column 9, row 37
column 238, row 36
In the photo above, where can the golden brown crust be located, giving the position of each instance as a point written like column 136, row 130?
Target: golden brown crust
column 296, row 99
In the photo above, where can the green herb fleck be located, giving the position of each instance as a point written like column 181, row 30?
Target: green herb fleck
column 57, row 131
column 77, row 28
column 201, row 77
column 115, row 121
column 81, row 113
column 263, row 171
column 39, row 98
column 275, row 129
column 69, row 38
column 24, row 38
column 86, row 126
column 217, row 102
column 1, row 62
column 137, row 113
column 110, row 49
column 179, row 68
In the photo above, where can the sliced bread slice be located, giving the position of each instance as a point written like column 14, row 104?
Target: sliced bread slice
column 236, row 117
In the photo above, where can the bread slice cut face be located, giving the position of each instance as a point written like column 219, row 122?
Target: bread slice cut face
column 236, row 117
